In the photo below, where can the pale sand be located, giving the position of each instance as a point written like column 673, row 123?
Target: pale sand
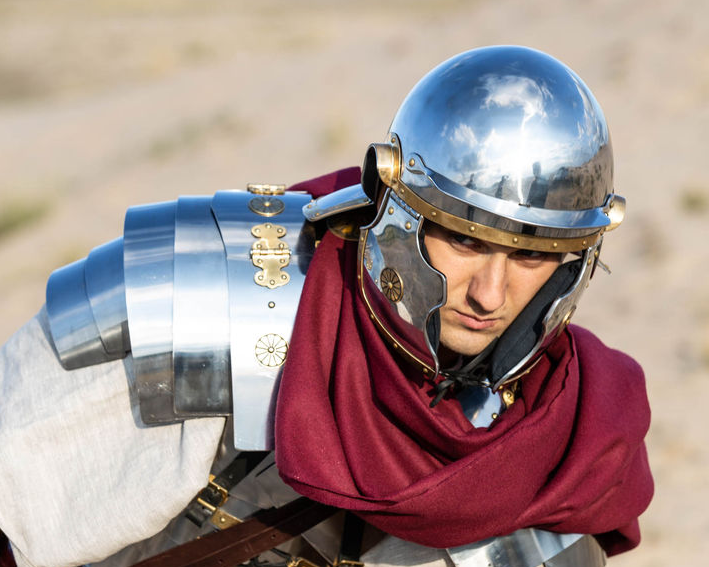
column 107, row 104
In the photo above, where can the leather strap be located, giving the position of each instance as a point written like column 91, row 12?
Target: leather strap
column 232, row 546
column 351, row 543
column 216, row 492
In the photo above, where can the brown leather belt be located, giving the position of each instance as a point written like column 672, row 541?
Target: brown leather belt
column 232, row 546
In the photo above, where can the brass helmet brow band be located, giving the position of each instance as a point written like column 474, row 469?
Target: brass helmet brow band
column 489, row 234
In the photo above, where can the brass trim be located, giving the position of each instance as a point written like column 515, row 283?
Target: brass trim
column 494, row 235
column 270, row 254
column 508, row 397
column 266, row 188
column 223, row 520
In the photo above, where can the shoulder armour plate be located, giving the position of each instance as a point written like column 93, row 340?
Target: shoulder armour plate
column 342, row 201
column 203, row 291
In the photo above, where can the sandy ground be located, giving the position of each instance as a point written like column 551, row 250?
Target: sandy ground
column 106, row 104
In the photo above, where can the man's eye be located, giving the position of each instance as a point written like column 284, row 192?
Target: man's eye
column 465, row 241
column 530, row 254
column 535, row 256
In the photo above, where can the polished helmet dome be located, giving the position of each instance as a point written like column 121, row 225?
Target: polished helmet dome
column 505, row 144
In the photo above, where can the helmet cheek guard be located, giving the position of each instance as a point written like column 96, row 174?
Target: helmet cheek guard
column 504, row 144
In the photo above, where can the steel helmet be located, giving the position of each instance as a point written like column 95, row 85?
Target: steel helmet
column 505, row 144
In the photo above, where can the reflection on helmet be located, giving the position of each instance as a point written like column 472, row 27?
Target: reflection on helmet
column 505, row 144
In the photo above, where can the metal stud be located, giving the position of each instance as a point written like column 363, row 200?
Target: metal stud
column 508, row 397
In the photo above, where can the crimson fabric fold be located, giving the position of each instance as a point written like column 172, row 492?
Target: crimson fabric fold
column 354, row 430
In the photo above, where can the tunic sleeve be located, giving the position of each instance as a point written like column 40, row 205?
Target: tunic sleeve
column 81, row 476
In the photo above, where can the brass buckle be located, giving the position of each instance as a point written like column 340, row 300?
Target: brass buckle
column 220, row 518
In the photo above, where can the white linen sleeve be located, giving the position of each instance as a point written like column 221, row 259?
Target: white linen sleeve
column 81, row 476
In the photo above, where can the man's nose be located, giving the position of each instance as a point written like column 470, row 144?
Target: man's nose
column 487, row 288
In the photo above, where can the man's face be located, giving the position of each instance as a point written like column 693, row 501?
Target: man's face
column 488, row 286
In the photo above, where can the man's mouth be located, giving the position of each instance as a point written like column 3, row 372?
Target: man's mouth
column 475, row 323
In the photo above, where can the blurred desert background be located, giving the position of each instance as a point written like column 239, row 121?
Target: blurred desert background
column 110, row 103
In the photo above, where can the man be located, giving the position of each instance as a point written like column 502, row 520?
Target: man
column 428, row 382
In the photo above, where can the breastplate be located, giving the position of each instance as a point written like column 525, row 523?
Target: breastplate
column 531, row 547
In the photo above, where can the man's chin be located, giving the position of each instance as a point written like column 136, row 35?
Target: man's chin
column 452, row 348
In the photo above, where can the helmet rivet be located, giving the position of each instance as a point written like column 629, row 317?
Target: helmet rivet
column 433, row 213
column 583, row 243
column 515, row 240
column 271, row 304
column 408, row 225
column 391, row 210
column 412, row 162
column 471, row 228
column 393, row 140
column 554, row 244
column 494, row 416
column 596, row 254
column 589, row 262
